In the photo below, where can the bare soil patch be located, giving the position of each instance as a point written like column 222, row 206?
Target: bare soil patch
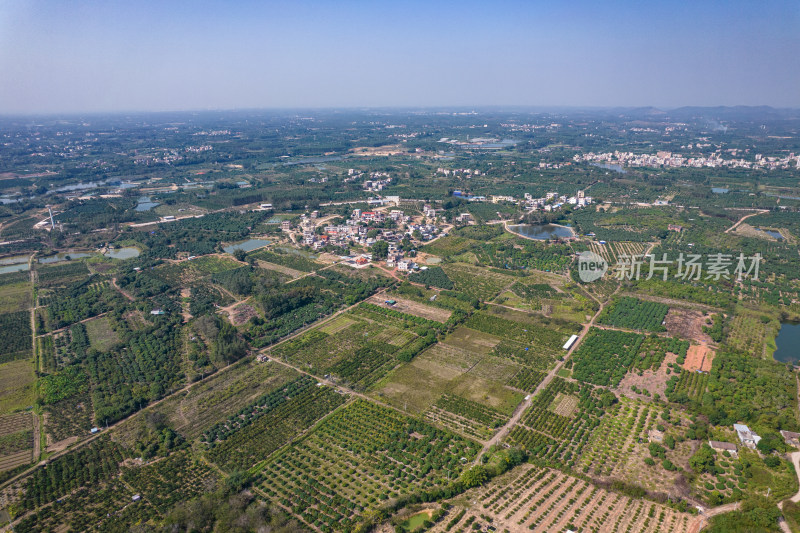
column 699, row 357
column 687, row 323
column 655, row 382
column 242, row 313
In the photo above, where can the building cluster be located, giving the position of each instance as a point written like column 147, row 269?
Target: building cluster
column 552, row 201
column 356, row 230
column 463, row 172
column 669, row 159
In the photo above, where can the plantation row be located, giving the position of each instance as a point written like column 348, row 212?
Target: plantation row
column 434, row 277
column 558, row 439
column 653, row 350
column 356, row 460
column 632, row 313
column 545, row 339
column 527, row 380
column 686, row 386
column 605, row 356
column 242, row 449
column 483, row 415
column 15, row 342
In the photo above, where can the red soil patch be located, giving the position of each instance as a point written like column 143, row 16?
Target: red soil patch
column 699, row 357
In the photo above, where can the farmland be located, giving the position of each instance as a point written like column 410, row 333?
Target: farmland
column 532, row 498
column 355, row 461
column 392, row 358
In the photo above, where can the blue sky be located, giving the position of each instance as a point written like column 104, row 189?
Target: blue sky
column 170, row 55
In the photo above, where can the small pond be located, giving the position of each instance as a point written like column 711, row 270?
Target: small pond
column 542, row 232
column 788, row 342
column 248, row 245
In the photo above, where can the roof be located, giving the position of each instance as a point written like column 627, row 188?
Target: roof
column 722, row 445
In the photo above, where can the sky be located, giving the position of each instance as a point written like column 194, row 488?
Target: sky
column 122, row 56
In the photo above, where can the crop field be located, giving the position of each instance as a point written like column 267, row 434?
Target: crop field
column 15, row 342
column 288, row 257
column 545, row 341
column 16, row 385
column 750, row 332
column 604, row 356
column 61, row 274
column 477, row 282
column 16, row 440
column 635, row 314
column 532, row 498
column 690, row 384
column 465, row 416
column 274, row 419
column 101, row 336
column 743, row 473
column 411, row 307
column 357, row 355
column 69, row 417
column 559, row 438
column 527, row 380
column 177, row 478
column 193, row 412
column 195, row 269
column 355, row 460
column 16, row 297
column 336, row 325
column 653, row 350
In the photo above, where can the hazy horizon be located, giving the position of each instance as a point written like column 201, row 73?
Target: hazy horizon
column 97, row 57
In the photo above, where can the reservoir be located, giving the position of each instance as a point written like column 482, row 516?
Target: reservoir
column 16, row 267
column 719, row 190
column 788, row 342
column 542, row 232
column 772, row 233
column 248, row 245
column 128, row 252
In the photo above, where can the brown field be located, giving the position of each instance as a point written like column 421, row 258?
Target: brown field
column 699, row 357
column 564, row 404
column 413, row 308
column 687, row 324
column 242, row 313
column 294, row 274
column 531, row 498
column 12, row 461
column 16, row 422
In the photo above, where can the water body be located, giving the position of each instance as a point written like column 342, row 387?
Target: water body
column 719, row 190
column 123, row 253
column 63, row 256
column 14, row 260
column 772, row 233
column 782, row 196
column 542, row 232
column 611, row 166
column 788, row 342
column 17, row 267
column 248, row 245
column 145, row 204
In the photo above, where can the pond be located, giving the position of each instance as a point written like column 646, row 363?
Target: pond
column 128, row 252
column 16, row 267
column 63, row 256
column 788, row 343
column 772, row 233
column 542, row 232
column 145, row 204
column 248, row 245
column 719, row 190
column 14, row 260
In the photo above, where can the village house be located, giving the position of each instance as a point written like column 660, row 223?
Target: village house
column 746, row 436
column 723, row 447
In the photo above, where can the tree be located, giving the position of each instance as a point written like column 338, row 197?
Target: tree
column 380, row 250
column 475, row 476
column 703, row 459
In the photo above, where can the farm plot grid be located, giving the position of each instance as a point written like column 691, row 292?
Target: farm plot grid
column 16, row 440
column 357, row 459
column 532, row 498
column 559, row 422
column 364, row 347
